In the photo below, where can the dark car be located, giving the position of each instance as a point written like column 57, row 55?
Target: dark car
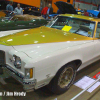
column 63, row 8
column 27, row 9
column 21, row 22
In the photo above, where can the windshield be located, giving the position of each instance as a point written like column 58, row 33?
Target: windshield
column 73, row 25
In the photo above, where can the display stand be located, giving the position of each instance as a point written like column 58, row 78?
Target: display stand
column 98, row 79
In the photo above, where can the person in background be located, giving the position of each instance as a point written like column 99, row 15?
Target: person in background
column 9, row 8
column 98, row 7
column 50, row 9
column 78, row 7
column 44, row 12
column 18, row 10
column 41, row 7
column 86, row 13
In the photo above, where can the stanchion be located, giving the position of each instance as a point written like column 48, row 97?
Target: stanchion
column 98, row 79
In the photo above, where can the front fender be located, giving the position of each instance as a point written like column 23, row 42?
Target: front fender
column 68, row 60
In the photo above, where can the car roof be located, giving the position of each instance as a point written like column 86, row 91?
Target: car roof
column 81, row 17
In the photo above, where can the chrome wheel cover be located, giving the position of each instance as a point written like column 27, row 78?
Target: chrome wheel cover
column 65, row 77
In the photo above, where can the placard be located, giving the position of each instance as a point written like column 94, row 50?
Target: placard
column 66, row 28
column 85, row 82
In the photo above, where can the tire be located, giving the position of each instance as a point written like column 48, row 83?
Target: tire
column 58, row 84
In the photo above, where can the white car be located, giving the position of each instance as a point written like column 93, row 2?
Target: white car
column 52, row 54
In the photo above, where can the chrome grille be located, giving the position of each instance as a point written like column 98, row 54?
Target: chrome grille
column 2, row 57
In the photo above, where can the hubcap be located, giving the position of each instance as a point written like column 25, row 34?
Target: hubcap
column 65, row 77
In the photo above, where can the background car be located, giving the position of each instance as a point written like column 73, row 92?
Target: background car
column 26, row 8
column 21, row 22
column 94, row 13
column 63, row 8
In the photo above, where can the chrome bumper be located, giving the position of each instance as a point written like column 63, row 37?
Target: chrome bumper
column 28, row 84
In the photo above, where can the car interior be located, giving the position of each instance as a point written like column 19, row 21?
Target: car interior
column 81, row 27
column 98, row 31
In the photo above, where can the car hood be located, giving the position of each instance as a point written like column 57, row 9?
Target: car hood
column 41, row 35
column 39, row 51
column 9, row 32
column 65, row 7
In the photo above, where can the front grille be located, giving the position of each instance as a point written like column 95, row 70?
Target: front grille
column 2, row 57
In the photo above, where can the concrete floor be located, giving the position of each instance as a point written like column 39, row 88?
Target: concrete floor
column 44, row 94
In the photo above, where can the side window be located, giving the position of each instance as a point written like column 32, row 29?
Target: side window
column 98, row 31
column 61, row 21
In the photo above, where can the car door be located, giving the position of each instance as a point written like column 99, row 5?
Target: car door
column 26, row 24
column 88, row 49
column 6, row 25
column 21, row 24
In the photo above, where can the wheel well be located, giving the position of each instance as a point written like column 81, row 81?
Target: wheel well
column 78, row 62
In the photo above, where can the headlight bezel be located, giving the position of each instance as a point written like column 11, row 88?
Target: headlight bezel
column 17, row 62
column 28, row 71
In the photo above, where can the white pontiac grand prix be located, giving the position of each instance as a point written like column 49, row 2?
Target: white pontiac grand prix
column 52, row 54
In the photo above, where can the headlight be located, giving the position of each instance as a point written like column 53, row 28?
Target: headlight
column 29, row 73
column 17, row 61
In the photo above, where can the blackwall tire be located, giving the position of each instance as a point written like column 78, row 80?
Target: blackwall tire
column 63, row 79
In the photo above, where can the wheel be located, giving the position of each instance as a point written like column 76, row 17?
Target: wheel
column 63, row 79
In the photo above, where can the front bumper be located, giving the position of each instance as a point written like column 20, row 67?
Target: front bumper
column 28, row 84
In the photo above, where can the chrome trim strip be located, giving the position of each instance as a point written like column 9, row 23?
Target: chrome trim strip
column 19, row 77
column 15, row 72
column 28, row 85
